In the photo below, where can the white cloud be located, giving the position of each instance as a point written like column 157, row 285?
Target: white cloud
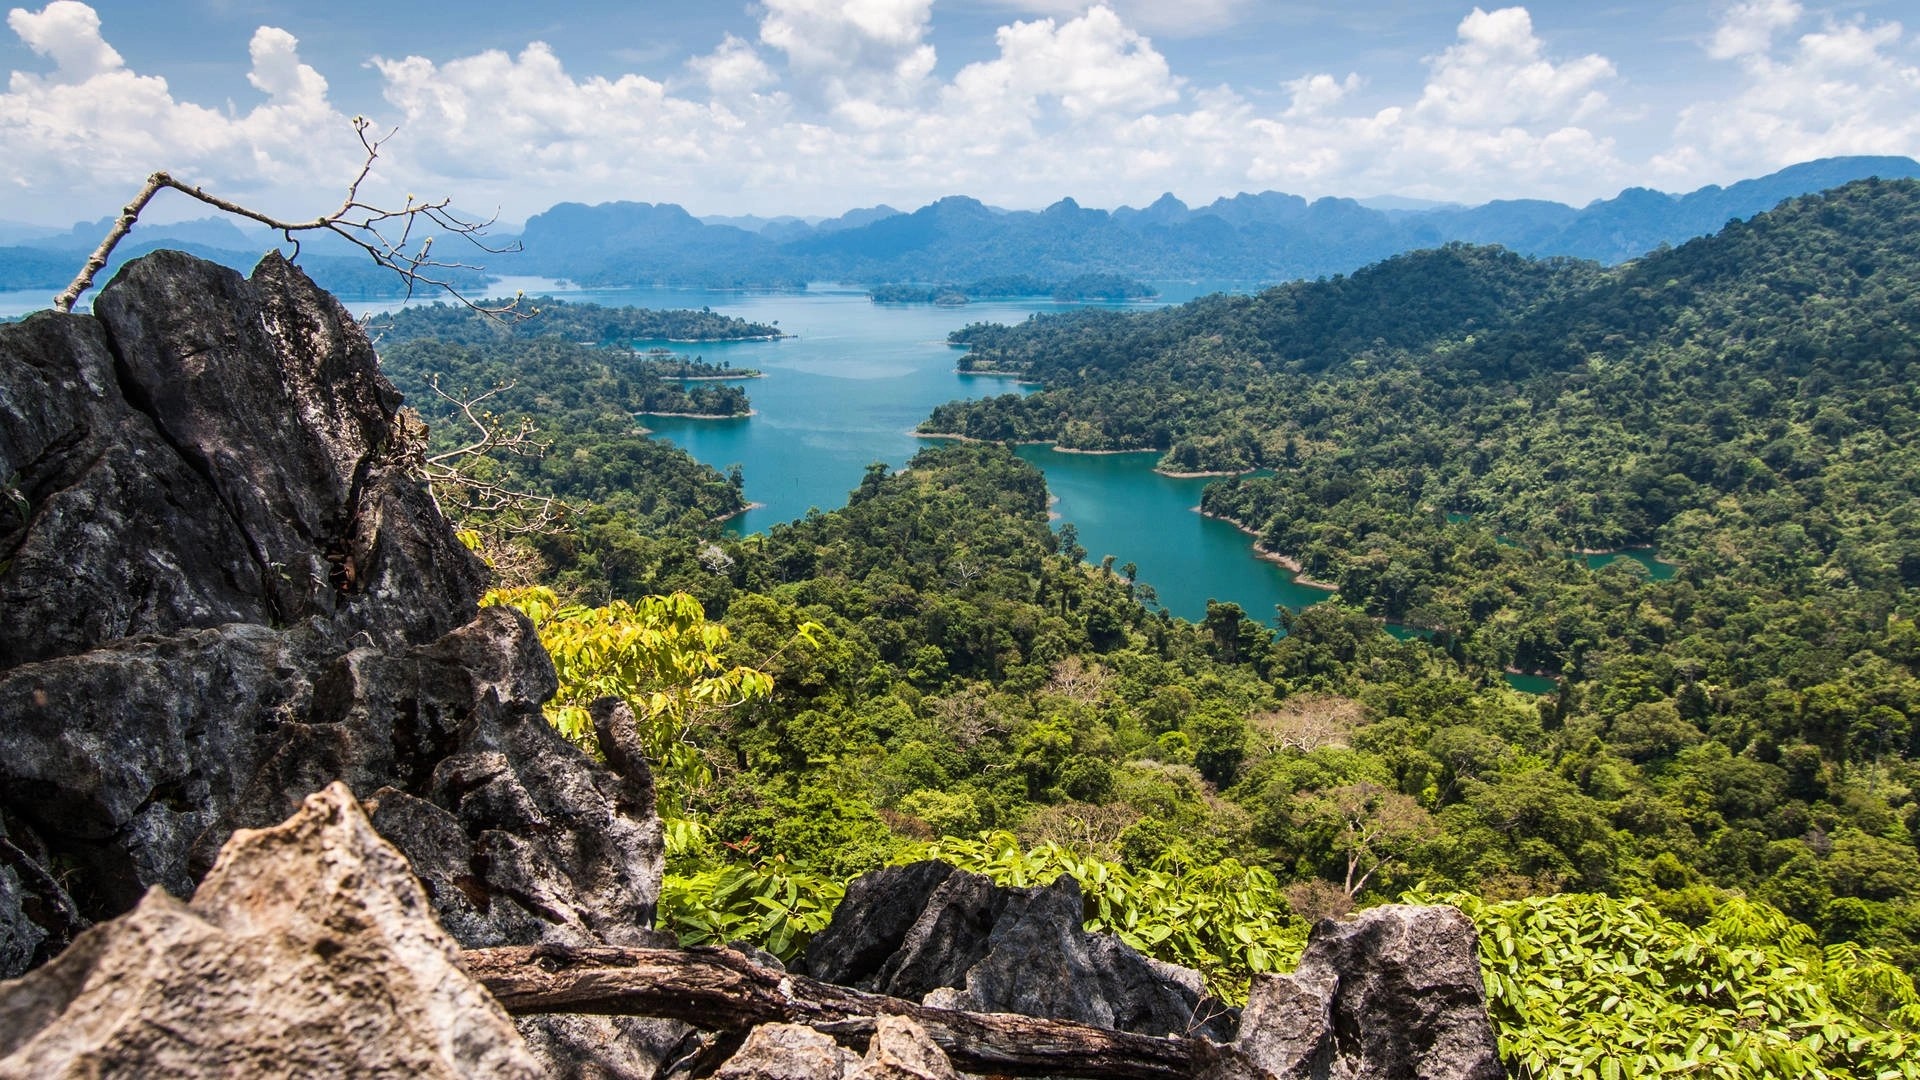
column 1315, row 94
column 732, row 69
column 1748, row 29
column 1091, row 65
column 853, row 50
column 1843, row 88
column 68, row 33
column 1173, row 18
column 91, row 129
column 1496, row 75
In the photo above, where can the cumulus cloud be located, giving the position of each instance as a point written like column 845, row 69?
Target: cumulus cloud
column 733, row 68
column 1749, row 29
column 68, row 33
column 92, row 128
column 853, row 50
column 1841, row 86
column 1496, row 75
column 1315, row 94
column 1091, row 65
column 1173, row 18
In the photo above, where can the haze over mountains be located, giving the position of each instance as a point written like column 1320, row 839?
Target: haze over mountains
column 1265, row 237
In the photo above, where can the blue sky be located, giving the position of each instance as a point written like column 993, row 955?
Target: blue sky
column 818, row 106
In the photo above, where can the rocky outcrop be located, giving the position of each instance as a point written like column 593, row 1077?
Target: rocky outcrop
column 222, row 586
column 951, row 939
column 308, row 950
column 1392, row 992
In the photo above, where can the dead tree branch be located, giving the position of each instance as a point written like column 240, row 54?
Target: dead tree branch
column 385, row 233
column 458, row 481
column 717, row 989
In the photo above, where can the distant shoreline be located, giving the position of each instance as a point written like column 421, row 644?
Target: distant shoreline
column 702, row 416
column 715, row 378
column 1267, row 554
column 724, row 518
column 1058, row 449
column 1014, row 375
column 968, row 438
column 1200, row 473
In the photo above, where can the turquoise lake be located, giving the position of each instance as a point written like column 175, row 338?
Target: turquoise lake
column 851, row 384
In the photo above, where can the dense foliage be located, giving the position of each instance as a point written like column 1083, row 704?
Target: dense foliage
column 532, row 318
column 1743, row 402
column 630, row 500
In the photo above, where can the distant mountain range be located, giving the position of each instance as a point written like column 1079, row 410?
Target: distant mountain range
column 1270, row 236
column 1266, row 237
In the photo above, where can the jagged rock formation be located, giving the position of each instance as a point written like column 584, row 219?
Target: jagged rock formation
column 222, row 586
column 951, row 939
column 308, row 950
column 1394, row 991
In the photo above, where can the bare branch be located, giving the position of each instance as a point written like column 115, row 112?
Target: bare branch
column 458, row 480
column 385, row 233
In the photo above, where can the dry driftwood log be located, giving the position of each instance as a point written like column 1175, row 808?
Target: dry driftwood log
column 720, row 990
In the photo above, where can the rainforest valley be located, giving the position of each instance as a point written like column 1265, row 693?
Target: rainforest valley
column 1713, row 820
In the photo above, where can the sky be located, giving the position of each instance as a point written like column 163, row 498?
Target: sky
column 815, row 107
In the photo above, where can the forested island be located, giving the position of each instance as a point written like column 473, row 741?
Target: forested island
column 525, row 318
column 1076, row 289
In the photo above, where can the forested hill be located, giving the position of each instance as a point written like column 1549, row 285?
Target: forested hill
column 1745, row 402
column 1564, row 371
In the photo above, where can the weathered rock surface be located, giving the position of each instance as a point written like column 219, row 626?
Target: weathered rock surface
column 222, row 588
column 1393, row 992
column 900, row 1049
column 928, row 932
column 308, row 950
column 788, row 1052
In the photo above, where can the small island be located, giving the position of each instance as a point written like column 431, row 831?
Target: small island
column 1077, row 289
column 666, row 364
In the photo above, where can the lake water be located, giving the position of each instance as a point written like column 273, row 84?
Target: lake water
column 857, row 377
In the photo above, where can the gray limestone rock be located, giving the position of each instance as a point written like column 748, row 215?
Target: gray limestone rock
column 1392, row 992
column 930, row 933
column 222, row 586
column 272, row 970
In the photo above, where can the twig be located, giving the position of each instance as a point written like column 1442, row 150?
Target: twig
column 362, row 224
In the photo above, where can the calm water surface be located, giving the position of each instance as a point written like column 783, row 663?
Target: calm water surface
column 848, row 389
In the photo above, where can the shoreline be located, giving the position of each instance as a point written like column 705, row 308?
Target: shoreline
column 719, row 340
column 968, row 438
column 1014, row 375
column 749, row 508
column 1058, row 449
column 1266, row 554
column 703, row 416
column 716, row 378
column 1206, row 473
